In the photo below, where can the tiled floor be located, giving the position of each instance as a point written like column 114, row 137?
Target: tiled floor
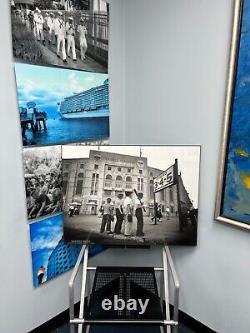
column 123, row 329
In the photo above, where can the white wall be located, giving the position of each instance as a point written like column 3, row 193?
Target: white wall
column 23, row 308
column 176, row 54
column 168, row 64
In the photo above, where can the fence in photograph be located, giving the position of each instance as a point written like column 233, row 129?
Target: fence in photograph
column 97, row 25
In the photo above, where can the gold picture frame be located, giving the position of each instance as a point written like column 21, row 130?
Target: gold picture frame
column 227, row 120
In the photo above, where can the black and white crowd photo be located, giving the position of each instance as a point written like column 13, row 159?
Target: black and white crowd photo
column 43, row 180
column 130, row 195
column 68, row 33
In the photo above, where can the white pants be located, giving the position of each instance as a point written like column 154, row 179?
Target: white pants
column 39, row 32
column 34, row 30
column 128, row 227
column 61, row 40
column 71, row 45
column 83, row 47
column 51, row 35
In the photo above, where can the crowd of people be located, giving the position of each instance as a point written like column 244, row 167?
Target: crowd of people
column 123, row 212
column 43, row 185
column 57, row 30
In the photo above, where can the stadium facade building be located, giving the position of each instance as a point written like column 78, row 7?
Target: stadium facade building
column 90, row 181
column 93, row 99
column 62, row 258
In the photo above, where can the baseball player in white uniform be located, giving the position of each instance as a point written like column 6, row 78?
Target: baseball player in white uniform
column 39, row 21
column 35, row 16
column 60, row 31
column 70, row 32
column 51, row 27
column 82, row 38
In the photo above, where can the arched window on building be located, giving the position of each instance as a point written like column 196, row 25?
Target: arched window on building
column 65, row 182
column 128, row 182
column 79, row 183
column 118, row 182
column 108, row 181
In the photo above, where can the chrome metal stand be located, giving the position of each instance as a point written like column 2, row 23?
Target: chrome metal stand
column 166, row 271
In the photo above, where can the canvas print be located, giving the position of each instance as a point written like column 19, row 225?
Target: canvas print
column 43, row 180
column 67, row 33
column 233, row 199
column 131, row 195
column 59, row 105
column 50, row 255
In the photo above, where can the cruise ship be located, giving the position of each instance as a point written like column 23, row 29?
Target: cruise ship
column 92, row 103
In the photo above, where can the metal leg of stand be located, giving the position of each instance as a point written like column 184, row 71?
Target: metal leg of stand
column 176, row 288
column 88, row 292
column 161, row 288
column 166, row 289
column 71, row 288
column 84, row 277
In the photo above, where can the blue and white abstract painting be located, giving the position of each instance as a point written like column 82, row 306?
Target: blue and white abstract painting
column 50, row 255
column 236, row 196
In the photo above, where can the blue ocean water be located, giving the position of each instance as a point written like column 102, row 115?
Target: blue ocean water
column 236, row 203
column 67, row 130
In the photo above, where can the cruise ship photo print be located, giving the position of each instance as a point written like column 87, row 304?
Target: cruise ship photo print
column 58, row 105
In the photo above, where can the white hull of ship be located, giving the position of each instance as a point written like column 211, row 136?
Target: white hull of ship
column 85, row 114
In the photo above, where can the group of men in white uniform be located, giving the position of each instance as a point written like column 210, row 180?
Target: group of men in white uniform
column 59, row 32
column 124, row 211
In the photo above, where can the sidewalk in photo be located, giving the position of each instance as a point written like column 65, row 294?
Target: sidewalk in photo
column 85, row 227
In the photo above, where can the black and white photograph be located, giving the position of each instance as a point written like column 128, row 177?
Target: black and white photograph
column 43, row 180
column 67, row 33
column 131, row 195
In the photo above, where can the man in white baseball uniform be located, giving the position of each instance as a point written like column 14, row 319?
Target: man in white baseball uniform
column 82, row 38
column 51, row 27
column 70, row 32
column 35, row 16
column 60, row 31
column 39, row 26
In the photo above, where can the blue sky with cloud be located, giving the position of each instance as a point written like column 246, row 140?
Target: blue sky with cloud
column 44, row 236
column 48, row 85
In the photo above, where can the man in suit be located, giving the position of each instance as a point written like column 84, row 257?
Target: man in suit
column 139, row 214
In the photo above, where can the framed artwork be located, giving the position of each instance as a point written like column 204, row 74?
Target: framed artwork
column 43, row 180
column 51, row 257
column 59, row 105
column 130, row 195
column 68, row 33
column 233, row 192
